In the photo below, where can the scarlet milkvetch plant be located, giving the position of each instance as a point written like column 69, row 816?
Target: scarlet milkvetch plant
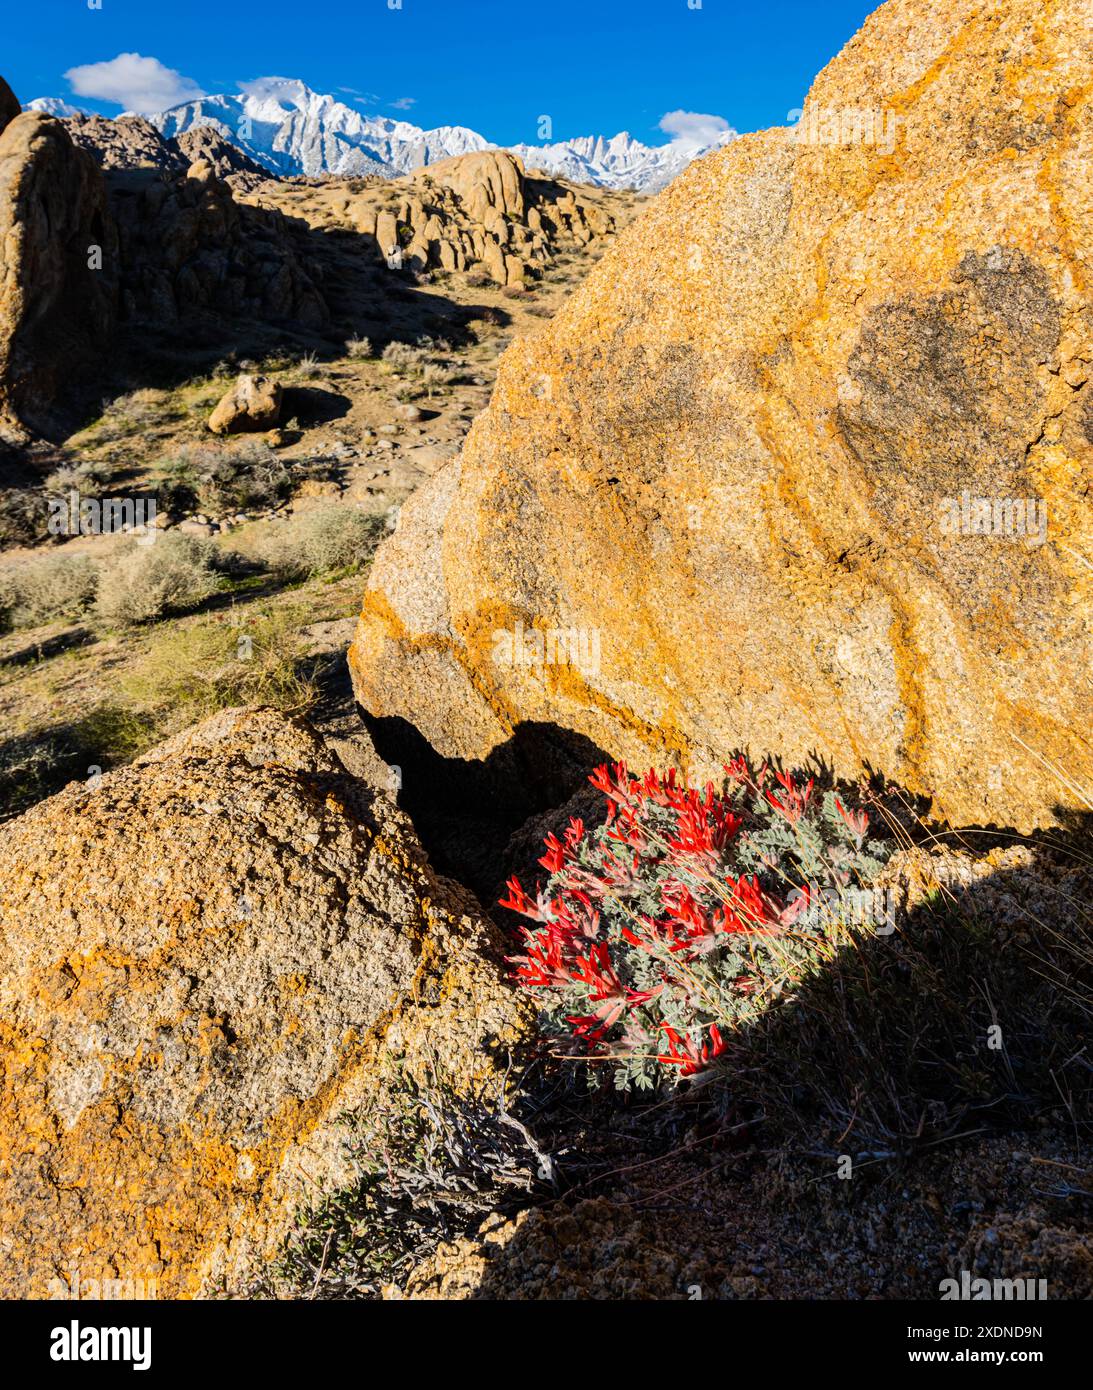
column 663, row 928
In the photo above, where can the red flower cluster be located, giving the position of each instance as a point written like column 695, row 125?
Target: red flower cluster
column 686, row 834
column 653, row 931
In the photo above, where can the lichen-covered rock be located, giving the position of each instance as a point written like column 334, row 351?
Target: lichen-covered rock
column 252, row 404
column 805, row 464
column 207, row 958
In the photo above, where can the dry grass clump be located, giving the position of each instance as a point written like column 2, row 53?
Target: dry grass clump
column 47, row 589
column 239, row 657
column 971, row 1015
column 145, row 582
column 43, row 758
column 216, row 480
column 404, row 357
column 89, row 476
column 309, row 367
column 358, row 347
column 325, row 541
column 427, row 1168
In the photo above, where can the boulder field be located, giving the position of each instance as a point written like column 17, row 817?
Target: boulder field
column 804, row 466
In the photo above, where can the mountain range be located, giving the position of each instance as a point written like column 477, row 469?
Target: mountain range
column 290, row 129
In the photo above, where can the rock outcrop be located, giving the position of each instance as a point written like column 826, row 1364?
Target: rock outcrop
column 130, row 142
column 58, row 270
column 252, row 404
column 9, row 105
column 189, row 248
column 805, row 464
column 469, row 212
column 207, row 958
column 227, row 161
column 102, row 223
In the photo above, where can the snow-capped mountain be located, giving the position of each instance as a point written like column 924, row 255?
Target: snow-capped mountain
column 290, row 129
column 621, row 162
column 54, row 106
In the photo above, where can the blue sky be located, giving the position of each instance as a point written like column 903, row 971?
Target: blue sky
column 592, row 66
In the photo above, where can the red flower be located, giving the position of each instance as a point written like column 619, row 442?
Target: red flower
column 857, row 822
column 795, row 801
column 684, row 1053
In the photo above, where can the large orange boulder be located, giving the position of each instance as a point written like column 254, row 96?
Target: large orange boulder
column 805, row 464
column 209, row 958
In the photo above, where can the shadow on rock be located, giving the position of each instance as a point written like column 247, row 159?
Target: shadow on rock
column 917, row 1106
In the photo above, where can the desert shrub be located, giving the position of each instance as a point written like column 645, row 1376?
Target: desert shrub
column 237, row 658
column 358, row 347
column 40, row 760
column 46, row 589
column 455, row 1160
column 88, row 476
column 146, row 582
column 214, row 479
column 403, row 357
column 435, row 375
column 24, row 517
column 675, row 917
column 323, row 541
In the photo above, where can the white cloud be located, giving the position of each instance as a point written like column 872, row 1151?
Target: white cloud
column 138, row 84
column 404, row 103
column 692, row 130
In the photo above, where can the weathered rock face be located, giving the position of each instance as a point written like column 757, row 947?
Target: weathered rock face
column 738, row 474
column 130, row 142
column 253, row 403
column 487, row 183
column 58, row 270
column 9, row 105
column 121, row 227
column 227, row 161
column 206, row 960
column 189, row 248
column 468, row 211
